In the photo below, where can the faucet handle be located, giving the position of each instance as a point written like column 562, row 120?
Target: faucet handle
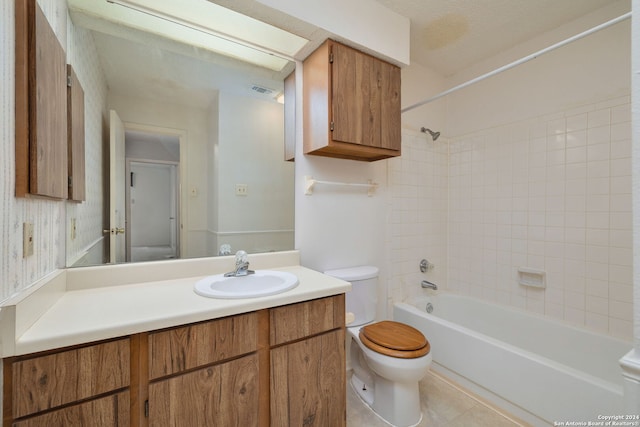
column 426, row 266
column 241, row 257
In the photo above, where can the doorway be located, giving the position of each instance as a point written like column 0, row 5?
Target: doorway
column 152, row 205
column 152, row 194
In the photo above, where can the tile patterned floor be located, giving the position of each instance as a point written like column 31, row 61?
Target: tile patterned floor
column 443, row 405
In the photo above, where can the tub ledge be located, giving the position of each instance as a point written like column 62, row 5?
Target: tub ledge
column 630, row 364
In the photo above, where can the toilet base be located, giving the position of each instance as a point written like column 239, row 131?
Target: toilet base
column 365, row 392
column 407, row 414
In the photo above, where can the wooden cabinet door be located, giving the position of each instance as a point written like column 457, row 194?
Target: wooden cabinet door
column 45, row 382
column 390, row 127
column 345, row 106
column 308, row 382
column 109, row 411
column 355, row 97
column 290, row 117
column 41, row 106
column 75, row 135
column 220, row 395
column 366, row 99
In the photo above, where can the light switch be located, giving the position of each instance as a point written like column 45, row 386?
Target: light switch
column 27, row 244
column 73, row 229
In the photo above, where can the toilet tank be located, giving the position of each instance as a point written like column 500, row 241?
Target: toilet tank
column 363, row 297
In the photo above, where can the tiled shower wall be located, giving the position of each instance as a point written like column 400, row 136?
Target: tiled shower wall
column 418, row 183
column 552, row 194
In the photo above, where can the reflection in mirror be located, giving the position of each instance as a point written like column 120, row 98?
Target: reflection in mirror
column 196, row 167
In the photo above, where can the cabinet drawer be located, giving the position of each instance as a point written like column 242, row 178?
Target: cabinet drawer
column 296, row 321
column 183, row 348
column 109, row 411
column 45, row 382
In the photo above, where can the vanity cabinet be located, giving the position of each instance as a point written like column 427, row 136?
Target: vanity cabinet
column 68, row 386
column 281, row 366
column 351, row 104
column 308, row 363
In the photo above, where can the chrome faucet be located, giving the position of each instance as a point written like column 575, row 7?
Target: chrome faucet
column 428, row 285
column 242, row 266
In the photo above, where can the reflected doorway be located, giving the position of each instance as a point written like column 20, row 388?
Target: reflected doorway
column 152, row 203
column 152, row 195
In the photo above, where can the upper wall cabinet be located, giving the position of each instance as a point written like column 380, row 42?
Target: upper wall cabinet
column 41, row 106
column 351, row 104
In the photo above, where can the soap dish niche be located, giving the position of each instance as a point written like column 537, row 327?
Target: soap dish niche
column 531, row 277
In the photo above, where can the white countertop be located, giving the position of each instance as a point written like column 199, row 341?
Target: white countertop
column 82, row 314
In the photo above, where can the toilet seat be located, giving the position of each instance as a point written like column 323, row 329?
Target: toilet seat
column 394, row 339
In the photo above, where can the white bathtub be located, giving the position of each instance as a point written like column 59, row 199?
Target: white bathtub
column 542, row 371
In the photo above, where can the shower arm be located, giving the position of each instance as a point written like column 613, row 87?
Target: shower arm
column 434, row 135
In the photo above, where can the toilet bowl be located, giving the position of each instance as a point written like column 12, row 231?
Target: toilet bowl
column 388, row 358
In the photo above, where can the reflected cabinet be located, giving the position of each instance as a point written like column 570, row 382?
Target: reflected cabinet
column 49, row 143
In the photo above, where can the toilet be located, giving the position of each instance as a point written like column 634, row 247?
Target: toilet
column 388, row 358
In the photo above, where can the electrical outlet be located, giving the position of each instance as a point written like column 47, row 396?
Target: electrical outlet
column 242, row 190
column 27, row 242
column 73, row 229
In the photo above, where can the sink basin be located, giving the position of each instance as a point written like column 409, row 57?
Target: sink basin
column 259, row 284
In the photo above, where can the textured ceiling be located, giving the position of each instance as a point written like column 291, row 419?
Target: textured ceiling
column 450, row 35
column 446, row 36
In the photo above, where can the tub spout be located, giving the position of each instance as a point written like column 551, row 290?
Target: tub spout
column 428, row 285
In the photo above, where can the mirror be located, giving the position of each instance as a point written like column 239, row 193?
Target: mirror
column 202, row 169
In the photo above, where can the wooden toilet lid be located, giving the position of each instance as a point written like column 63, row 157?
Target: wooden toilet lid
column 394, row 339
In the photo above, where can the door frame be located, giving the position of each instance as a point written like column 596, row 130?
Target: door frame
column 116, row 180
column 182, row 173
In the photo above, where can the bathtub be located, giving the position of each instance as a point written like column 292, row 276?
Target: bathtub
column 540, row 370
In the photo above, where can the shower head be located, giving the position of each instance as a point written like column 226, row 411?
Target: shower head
column 434, row 135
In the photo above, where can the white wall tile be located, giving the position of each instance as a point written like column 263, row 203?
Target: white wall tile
column 599, row 118
column 621, row 114
column 567, row 211
column 577, row 122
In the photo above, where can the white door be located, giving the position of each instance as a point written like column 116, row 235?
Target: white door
column 153, row 232
column 117, row 244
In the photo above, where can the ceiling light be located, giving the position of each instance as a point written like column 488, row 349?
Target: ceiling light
column 202, row 24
